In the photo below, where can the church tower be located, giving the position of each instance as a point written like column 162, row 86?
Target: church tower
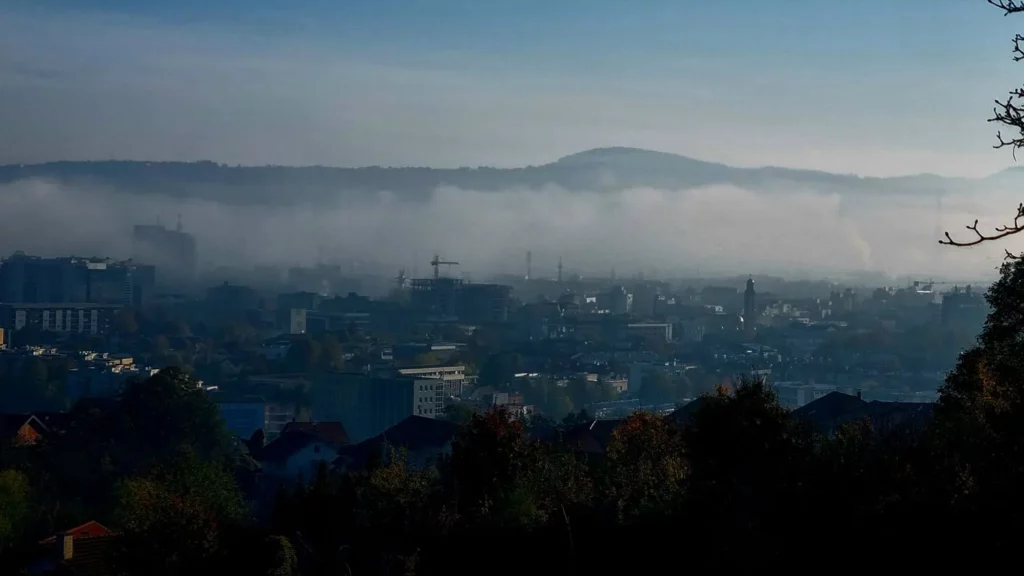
column 749, row 310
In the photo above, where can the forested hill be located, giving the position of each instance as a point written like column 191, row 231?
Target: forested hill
column 598, row 170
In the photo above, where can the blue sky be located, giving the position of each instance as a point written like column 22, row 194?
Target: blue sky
column 870, row 87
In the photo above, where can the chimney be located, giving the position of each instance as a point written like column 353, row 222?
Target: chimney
column 858, row 394
column 67, row 546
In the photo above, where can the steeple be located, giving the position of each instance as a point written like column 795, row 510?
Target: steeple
column 749, row 309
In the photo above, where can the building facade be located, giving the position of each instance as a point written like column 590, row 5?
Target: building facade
column 94, row 319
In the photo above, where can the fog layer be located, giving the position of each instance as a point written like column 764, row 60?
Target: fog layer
column 713, row 229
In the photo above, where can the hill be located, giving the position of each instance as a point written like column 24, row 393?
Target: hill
column 597, row 170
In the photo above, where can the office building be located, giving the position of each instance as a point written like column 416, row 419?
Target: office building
column 173, row 252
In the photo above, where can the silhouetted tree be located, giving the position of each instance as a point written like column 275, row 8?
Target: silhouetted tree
column 1010, row 114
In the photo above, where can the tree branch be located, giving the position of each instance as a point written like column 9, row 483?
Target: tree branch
column 999, row 233
column 1009, row 113
column 1008, row 6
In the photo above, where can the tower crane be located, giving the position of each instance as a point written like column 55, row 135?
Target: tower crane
column 928, row 284
column 437, row 262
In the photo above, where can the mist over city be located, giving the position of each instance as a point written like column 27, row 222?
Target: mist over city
column 829, row 228
column 412, row 288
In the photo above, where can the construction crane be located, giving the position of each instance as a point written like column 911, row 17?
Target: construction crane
column 437, row 262
column 927, row 285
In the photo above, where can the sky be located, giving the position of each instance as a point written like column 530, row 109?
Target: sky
column 873, row 87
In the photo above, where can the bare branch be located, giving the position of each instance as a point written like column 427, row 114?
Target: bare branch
column 999, row 233
column 1009, row 113
column 1008, row 6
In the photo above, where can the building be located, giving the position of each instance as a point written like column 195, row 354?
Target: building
column 95, row 319
column 367, row 404
column 292, row 320
column 616, row 301
column 299, row 300
column 33, row 280
column 794, row 395
column 302, row 448
column 173, row 252
column 230, row 300
column 749, row 310
column 103, row 375
column 453, row 298
column 243, row 417
column 484, row 303
column 651, row 333
column 453, row 377
column 963, row 309
column 436, row 296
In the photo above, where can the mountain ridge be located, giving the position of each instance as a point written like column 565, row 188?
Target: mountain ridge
column 595, row 170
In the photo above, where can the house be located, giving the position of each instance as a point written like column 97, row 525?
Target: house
column 84, row 549
column 332, row 432
column 55, row 422
column 301, row 448
column 22, row 429
column 835, row 409
column 592, row 438
column 423, row 440
column 681, row 416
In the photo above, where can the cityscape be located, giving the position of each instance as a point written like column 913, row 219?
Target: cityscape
column 404, row 289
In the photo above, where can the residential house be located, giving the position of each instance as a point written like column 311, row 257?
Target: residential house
column 301, row 448
column 835, row 409
column 85, row 549
column 22, row 429
column 422, row 441
column 591, row 439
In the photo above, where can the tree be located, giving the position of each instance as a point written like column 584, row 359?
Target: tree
column 748, row 466
column 126, row 321
column 283, row 560
column 657, row 388
column 979, row 418
column 165, row 415
column 646, row 467
column 458, row 413
column 1010, row 114
column 493, row 466
column 15, row 499
column 332, row 356
column 574, row 419
column 303, row 355
column 173, row 518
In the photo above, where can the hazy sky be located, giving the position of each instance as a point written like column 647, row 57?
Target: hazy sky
column 871, row 86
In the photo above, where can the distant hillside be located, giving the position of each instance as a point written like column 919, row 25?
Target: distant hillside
column 598, row 170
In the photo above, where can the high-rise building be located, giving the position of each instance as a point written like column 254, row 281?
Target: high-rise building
column 173, row 252
column 749, row 309
column 33, row 280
